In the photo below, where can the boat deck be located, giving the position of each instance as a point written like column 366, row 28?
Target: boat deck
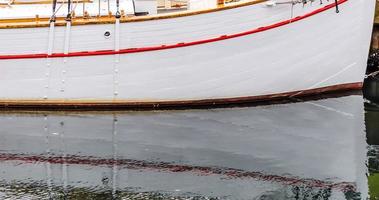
column 81, row 17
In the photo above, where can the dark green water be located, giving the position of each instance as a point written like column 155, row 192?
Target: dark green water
column 319, row 149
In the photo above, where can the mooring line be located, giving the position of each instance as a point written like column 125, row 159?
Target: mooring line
column 326, row 79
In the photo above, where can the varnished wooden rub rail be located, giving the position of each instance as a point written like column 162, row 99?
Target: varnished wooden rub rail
column 44, row 22
column 25, row 104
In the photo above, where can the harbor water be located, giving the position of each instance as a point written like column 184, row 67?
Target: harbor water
column 325, row 148
column 319, row 148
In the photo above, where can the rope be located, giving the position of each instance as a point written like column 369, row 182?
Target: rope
column 373, row 74
column 337, row 9
column 325, row 80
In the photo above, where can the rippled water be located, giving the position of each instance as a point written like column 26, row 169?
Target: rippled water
column 319, row 149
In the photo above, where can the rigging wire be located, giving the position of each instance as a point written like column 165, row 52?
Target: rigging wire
column 68, row 18
column 84, row 8
column 52, row 19
column 304, row 2
column 134, row 7
column 109, row 6
column 118, row 15
column 99, row 8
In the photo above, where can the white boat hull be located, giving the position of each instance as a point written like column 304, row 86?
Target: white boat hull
column 314, row 54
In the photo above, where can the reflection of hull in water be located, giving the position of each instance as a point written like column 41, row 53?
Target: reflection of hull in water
column 372, row 129
column 372, row 125
column 371, row 87
column 149, row 175
column 227, row 152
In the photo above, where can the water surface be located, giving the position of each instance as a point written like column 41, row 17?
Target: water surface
column 319, row 149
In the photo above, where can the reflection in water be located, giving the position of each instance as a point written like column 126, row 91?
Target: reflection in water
column 372, row 130
column 307, row 150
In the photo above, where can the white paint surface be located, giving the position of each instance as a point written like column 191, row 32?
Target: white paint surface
column 323, row 50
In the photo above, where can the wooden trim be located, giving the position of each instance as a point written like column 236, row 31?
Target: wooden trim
column 44, row 22
column 25, row 104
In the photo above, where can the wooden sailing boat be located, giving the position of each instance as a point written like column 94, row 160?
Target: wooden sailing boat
column 131, row 54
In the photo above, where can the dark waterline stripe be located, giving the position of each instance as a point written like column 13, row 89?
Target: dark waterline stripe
column 57, row 104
